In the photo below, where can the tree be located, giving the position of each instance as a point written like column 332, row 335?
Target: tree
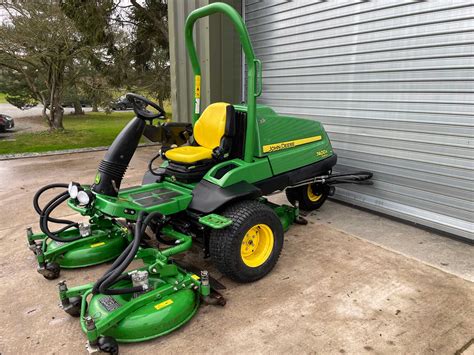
column 38, row 43
column 134, row 39
column 151, row 47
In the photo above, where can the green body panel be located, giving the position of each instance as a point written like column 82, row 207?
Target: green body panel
column 298, row 157
column 274, row 129
column 251, row 172
column 148, row 322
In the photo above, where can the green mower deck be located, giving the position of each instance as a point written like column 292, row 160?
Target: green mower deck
column 101, row 241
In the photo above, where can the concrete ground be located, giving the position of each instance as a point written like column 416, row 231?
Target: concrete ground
column 348, row 282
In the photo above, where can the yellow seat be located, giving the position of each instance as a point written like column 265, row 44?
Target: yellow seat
column 208, row 132
column 189, row 154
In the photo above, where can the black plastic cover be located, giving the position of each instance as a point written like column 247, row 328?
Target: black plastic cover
column 208, row 197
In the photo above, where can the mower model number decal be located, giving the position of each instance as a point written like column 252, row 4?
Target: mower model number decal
column 290, row 144
column 95, row 245
column 197, row 94
column 195, row 277
column 109, row 303
column 322, row 153
column 163, row 304
column 197, row 87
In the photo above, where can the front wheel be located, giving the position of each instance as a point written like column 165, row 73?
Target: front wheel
column 310, row 197
column 249, row 248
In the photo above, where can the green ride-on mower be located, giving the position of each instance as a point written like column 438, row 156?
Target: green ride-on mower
column 209, row 192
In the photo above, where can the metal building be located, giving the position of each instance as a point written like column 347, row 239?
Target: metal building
column 393, row 83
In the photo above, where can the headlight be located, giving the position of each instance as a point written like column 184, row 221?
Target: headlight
column 73, row 190
column 83, row 198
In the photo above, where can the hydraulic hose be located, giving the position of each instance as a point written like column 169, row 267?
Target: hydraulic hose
column 150, row 164
column 45, row 212
column 115, row 273
column 45, row 218
column 37, row 207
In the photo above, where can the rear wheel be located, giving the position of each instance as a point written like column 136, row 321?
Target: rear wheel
column 249, row 248
column 310, row 197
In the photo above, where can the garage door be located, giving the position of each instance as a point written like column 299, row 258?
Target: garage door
column 393, row 82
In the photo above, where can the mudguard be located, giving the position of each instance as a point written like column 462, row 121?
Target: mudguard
column 208, row 197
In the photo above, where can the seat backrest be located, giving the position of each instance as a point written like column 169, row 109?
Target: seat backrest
column 211, row 126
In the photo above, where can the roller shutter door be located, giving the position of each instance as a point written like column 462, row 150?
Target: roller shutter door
column 392, row 81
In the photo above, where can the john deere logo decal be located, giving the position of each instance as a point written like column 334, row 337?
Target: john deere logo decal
column 290, row 144
column 97, row 178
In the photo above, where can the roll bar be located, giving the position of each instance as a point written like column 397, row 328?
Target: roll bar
column 253, row 66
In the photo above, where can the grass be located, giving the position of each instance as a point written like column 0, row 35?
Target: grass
column 2, row 98
column 89, row 130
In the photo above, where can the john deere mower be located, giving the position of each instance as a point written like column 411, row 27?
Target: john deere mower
column 210, row 192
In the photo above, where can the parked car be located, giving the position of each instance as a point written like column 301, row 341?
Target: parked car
column 121, row 104
column 6, row 122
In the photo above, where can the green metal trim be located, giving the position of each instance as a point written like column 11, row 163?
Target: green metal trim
column 252, row 67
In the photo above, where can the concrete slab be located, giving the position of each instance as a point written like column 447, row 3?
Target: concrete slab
column 331, row 292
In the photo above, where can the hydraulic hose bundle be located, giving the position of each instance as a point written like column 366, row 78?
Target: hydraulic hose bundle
column 114, row 274
column 45, row 213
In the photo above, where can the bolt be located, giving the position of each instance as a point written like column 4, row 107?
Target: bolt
column 154, row 270
column 62, row 285
column 90, row 324
column 175, row 288
column 183, row 285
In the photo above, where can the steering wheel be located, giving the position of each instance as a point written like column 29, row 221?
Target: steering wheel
column 140, row 103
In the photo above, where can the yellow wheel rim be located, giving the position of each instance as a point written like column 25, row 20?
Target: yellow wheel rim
column 313, row 197
column 257, row 245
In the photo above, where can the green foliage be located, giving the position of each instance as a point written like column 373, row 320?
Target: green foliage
column 92, row 19
column 21, row 101
column 72, row 51
column 38, row 44
column 134, row 38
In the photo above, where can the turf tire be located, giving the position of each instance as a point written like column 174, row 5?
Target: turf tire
column 225, row 244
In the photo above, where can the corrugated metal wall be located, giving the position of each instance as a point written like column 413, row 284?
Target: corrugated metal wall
column 218, row 47
column 392, row 81
column 182, row 78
